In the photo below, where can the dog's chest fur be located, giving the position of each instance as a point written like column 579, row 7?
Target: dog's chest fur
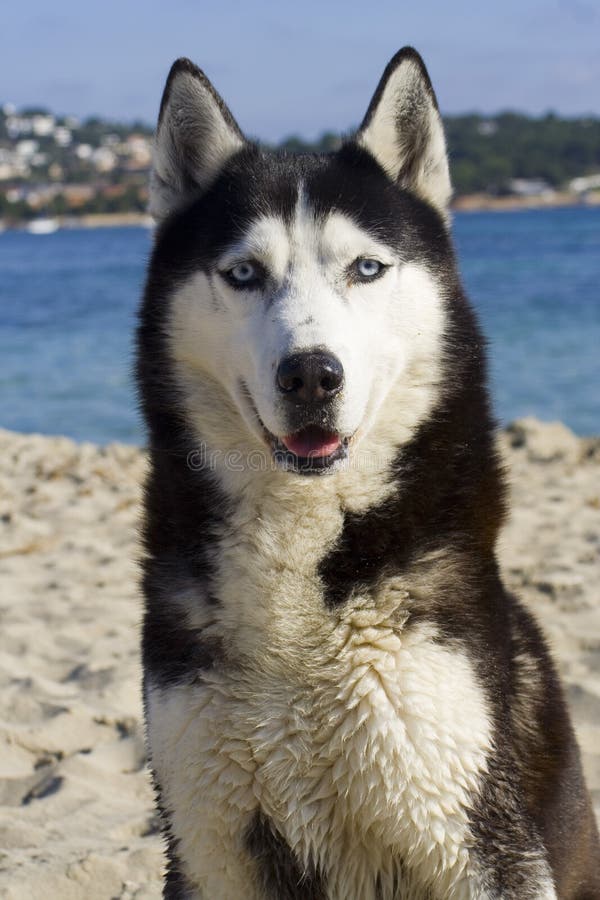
column 358, row 734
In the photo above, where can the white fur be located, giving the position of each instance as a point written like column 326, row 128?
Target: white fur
column 361, row 741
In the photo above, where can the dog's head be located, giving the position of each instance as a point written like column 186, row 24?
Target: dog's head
column 305, row 295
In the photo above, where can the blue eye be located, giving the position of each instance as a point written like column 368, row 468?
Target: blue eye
column 243, row 274
column 368, row 269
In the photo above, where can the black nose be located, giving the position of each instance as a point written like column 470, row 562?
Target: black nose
column 310, row 377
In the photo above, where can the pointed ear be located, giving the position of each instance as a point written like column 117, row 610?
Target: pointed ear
column 403, row 130
column 195, row 136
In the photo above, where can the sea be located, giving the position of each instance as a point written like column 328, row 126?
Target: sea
column 68, row 305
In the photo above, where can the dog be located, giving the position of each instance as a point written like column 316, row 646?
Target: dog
column 342, row 700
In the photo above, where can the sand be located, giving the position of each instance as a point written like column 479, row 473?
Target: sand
column 76, row 814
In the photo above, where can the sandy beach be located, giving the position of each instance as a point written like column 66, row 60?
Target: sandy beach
column 76, row 812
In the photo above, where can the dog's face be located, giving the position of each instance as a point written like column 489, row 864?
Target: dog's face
column 305, row 303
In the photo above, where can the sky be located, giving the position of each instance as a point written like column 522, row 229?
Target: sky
column 299, row 68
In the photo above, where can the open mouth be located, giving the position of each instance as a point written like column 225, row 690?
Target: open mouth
column 310, row 451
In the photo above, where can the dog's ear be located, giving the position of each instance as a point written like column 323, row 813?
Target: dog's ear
column 195, row 136
column 403, row 130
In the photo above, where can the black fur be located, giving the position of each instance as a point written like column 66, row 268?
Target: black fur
column 176, row 886
column 280, row 874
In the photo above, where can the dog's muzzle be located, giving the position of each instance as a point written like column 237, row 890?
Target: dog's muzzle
column 309, row 382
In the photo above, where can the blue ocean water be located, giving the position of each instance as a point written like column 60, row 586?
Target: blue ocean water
column 68, row 301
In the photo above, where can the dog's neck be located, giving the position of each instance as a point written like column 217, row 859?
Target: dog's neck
column 407, row 493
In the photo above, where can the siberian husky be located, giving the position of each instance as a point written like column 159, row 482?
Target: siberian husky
column 343, row 702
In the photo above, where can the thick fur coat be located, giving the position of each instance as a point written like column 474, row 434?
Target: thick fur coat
column 343, row 702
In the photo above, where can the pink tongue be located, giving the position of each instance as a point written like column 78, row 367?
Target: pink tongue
column 312, row 441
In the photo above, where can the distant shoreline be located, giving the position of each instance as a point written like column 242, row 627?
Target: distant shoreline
column 109, row 220
column 512, row 202
column 50, row 224
column 463, row 203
